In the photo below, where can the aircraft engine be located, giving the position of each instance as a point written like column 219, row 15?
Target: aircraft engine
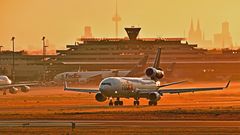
column 25, row 88
column 154, row 73
column 100, row 97
column 13, row 90
column 155, row 96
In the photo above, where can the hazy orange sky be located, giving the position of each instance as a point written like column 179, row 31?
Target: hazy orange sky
column 62, row 21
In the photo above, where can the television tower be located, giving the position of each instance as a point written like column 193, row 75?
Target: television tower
column 116, row 18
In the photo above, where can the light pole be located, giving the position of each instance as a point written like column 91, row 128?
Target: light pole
column 1, row 48
column 44, row 53
column 43, row 45
column 13, row 59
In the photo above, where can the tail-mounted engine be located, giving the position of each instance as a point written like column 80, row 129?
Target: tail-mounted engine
column 154, row 74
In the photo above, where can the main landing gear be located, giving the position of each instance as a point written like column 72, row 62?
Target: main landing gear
column 116, row 103
column 152, row 103
column 4, row 92
column 110, row 102
column 136, row 103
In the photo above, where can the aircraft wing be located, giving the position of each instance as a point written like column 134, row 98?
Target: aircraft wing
column 93, row 77
column 66, row 88
column 172, row 83
column 145, row 92
column 99, row 63
column 184, row 90
column 17, row 85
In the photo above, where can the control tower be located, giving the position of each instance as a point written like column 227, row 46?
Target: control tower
column 133, row 32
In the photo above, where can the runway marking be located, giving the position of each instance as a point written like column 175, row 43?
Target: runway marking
column 96, row 123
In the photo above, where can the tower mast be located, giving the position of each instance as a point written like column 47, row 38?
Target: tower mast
column 116, row 18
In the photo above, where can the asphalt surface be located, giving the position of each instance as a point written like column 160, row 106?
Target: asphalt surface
column 112, row 123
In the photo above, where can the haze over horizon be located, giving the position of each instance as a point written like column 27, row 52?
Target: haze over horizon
column 62, row 21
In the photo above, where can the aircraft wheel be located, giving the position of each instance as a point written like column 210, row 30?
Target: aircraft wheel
column 116, row 103
column 4, row 93
column 121, row 103
column 135, row 103
column 155, row 103
column 150, row 103
column 111, row 103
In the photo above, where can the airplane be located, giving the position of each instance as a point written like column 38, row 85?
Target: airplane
column 90, row 76
column 6, row 84
column 130, row 87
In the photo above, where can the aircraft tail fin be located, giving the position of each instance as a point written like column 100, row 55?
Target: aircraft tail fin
column 157, row 59
column 143, row 61
column 139, row 67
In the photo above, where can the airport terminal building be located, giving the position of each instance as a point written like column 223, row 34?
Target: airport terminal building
column 179, row 59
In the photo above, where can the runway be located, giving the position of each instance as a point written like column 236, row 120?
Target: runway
column 112, row 123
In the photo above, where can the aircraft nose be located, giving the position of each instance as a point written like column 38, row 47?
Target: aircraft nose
column 9, row 82
column 105, row 90
column 55, row 79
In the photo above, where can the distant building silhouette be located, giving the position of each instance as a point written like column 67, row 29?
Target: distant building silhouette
column 197, row 36
column 223, row 39
column 87, row 32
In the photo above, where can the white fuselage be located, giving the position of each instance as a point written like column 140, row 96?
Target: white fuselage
column 125, row 86
column 84, row 77
column 4, row 80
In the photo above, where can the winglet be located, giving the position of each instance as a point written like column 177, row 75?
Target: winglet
column 228, row 84
column 65, row 85
column 65, row 82
column 173, row 83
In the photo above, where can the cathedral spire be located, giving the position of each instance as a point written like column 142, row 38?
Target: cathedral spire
column 191, row 27
column 198, row 32
column 191, row 32
column 198, row 26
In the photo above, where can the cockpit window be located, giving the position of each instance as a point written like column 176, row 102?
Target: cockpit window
column 107, row 84
column 5, row 78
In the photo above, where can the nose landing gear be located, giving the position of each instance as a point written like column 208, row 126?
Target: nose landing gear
column 116, row 103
